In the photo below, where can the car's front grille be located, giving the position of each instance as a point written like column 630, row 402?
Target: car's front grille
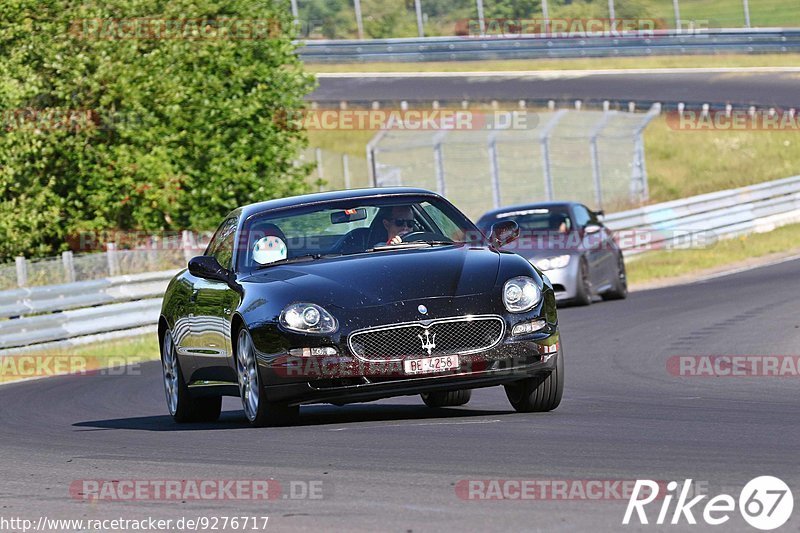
column 462, row 335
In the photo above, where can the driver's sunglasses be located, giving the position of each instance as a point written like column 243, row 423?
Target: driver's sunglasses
column 407, row 222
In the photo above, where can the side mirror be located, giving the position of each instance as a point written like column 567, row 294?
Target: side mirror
column 600, row 213
column 503, row 233
column 207, row 267
column 591, row 229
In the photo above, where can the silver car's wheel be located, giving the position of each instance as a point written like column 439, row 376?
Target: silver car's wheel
column 247, row 372
column 170, row 365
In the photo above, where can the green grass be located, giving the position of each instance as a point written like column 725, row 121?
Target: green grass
column 114, row 354
column 685, row 163
column 658, row 265
column 698, row 61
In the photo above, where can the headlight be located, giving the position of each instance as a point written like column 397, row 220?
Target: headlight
column 521, row 294
column 552, row 263
column 308, row 318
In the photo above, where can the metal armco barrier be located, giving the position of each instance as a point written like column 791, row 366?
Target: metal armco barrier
column 660, row 42
column 680, row 223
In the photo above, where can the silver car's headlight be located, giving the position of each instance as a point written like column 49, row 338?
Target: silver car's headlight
column 552, row 263
column 308, row 318
column 521, row 294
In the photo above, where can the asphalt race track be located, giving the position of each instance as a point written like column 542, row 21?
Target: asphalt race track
column 777, row 89
column 394, row 465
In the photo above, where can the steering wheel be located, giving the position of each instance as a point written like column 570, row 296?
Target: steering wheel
column 415, row 236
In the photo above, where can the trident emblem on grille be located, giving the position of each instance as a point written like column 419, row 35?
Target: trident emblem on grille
column 429, row 342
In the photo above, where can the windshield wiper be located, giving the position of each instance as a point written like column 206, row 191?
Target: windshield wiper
column 298, row 259
column 412, row 244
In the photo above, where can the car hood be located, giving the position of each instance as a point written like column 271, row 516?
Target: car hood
column 380, row 278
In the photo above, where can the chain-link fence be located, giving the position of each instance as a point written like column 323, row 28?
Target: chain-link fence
column 333, row 171
column 160, row 254
column 595, row 157
column 380, row 19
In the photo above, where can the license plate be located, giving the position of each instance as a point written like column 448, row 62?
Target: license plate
column 431, row 364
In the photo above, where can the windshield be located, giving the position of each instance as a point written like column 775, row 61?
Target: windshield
column 351, row 227
column 540, row 219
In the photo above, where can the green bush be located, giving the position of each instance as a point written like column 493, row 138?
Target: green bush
column 107, row 128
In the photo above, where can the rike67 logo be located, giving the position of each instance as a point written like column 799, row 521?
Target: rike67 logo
column 766, row 503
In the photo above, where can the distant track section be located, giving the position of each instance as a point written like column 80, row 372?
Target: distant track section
column 467, row 48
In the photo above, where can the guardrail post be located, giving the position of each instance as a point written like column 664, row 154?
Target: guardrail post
column 494, row 168
column 69, row 266
column 112, row 259
column 22, row 271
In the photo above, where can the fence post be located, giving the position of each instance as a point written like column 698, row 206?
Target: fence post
column 438, row 162
column 481, row 20
column 639, row 170
column 346, row 170
column 22, row 271
column 112, row 259
column 318, row 156
column 544, row 141
column 611, row 12
column 494, row 168
column 372, row 164
column 187, row 244
column 746, row 6
column 418, row 8
column 596, row 175
column 676, row 8
column 295, row 14
column 359, row 20
column 546, row 17
column 69, row 266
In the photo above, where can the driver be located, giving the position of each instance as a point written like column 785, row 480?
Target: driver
column 398, row 222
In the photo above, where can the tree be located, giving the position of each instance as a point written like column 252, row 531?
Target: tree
column 142, row 114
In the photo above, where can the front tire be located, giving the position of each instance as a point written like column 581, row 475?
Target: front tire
column 620, row 289
column 257, row 409
column 182, row 406
column 583, row 294
column 539, row 393
column 446, row 399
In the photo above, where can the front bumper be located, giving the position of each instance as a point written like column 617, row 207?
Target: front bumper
column 564, row 280
column 342, row 379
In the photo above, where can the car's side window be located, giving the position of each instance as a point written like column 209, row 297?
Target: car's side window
column 221, row 245
column 583, row 216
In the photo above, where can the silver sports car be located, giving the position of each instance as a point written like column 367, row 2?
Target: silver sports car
column 571, row 245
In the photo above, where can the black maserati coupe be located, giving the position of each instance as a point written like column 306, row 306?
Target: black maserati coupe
column 353, row 296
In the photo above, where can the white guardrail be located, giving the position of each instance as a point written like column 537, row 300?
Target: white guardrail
column 43, row 315
column 51, row 313
column 701, row 219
